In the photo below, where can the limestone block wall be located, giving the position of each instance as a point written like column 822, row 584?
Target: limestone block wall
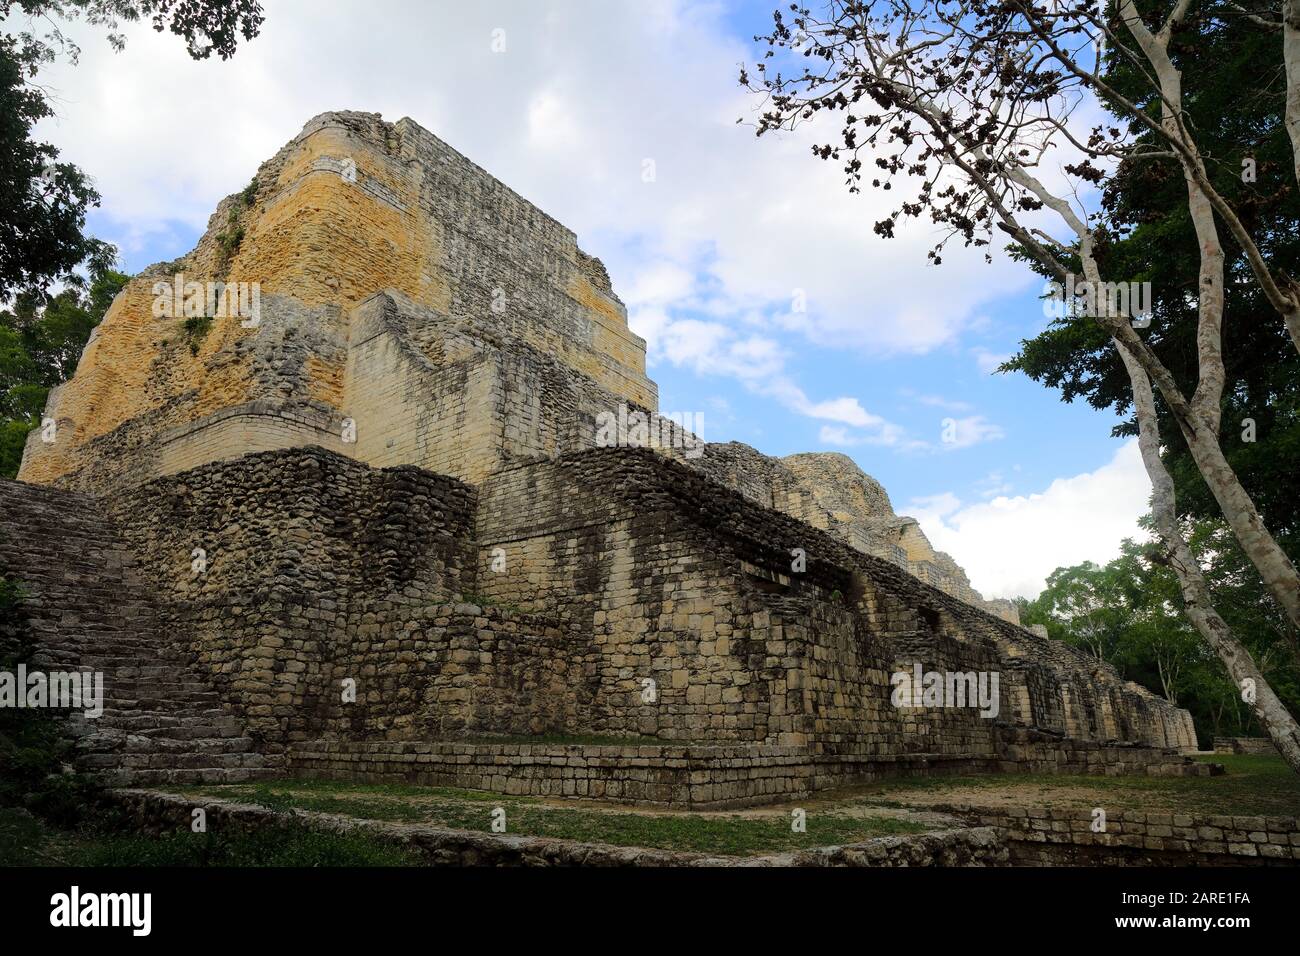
column 351, row 206
column 542, row 603
column 1260, row 746
column 654, row 604
column 409, row 410
column 614, row 540
column 1040, row 836
column 306, row 552
column 461, row 397
column 828, row 491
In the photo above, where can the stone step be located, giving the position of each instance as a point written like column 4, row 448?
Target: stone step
column 130, row 662
column 206, row 775
column 184, row 760
column 106, row 743
column 175, row 725
column 195, row 731
column 148, row 698
column 89, row 608
column 150, row 671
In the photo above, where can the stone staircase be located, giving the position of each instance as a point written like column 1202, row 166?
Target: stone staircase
column 88, row 609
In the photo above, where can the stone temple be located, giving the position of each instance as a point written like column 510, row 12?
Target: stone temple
column 368, row 527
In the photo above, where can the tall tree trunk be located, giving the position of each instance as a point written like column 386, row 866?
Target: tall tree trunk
column 1202, row 424
column 1277, row 721
column 1239, row 510
column 1291, row 57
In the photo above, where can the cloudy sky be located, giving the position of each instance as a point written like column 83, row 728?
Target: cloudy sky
column 769, row 305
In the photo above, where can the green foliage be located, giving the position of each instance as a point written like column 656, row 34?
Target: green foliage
column 1129, row 614
column 43, row 203
column 33, row 748
column 197, row 328
column 41, row 340
column 11, row 595
column 230, row 240
column 229, row 243
column 1234, row 88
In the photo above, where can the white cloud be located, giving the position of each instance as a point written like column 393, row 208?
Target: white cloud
column 835, row 435
column 584, row 93
column 756, row 361
column 993, row 484
column 846, row 410
column 1009, row 545
column 657, row 283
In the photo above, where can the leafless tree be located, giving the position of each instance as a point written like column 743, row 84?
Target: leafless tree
column 980, row 102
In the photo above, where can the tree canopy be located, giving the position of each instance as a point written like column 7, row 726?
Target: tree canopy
column 1232, row 73
column 1128, row 613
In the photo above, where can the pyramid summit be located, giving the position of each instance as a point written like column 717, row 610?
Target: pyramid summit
column 373, row 284
column 385, row 431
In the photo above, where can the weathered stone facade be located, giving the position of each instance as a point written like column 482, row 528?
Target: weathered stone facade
column 394, row 483
column 405, row 291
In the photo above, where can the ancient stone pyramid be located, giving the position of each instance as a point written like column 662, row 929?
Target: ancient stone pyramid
column 342, row 483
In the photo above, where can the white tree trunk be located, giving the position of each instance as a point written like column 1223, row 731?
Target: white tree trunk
column 1277, row 721
column 1291, row 58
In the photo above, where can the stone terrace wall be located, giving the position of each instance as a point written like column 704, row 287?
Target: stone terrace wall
column 307, row 552
column 1261, row 746
column 1040, row 836
column 624, row 567
column 654, row 602
column 691, row 585
column 694, row 776
column 464, row 396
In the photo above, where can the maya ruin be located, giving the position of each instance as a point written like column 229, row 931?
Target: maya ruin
column 710, row 468
column 407, row 501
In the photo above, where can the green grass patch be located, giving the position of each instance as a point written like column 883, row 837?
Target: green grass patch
column 722, row 834
column 26, row 841
column 1252, row 785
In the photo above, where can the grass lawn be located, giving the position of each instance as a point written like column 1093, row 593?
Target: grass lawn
column 729, row 834
column 1252, row 786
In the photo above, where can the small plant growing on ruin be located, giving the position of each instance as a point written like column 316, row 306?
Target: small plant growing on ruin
column 11, row 595
column 229, row 241
column 197, row 328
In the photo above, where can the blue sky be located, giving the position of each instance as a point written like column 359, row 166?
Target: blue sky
column 711, row 252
